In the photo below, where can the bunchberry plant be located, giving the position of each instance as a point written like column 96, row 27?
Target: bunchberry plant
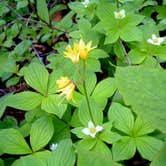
column 87, row 78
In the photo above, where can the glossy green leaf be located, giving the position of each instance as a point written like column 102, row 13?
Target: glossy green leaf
column 160, row 158
column 53, row 104
column 36, row 76
column 25, row 100
column 98, row 53
column 122, row 118
column 148, row 146
column 104, row 89
column 63, row 155
column 142, row 127
column 4, row 103
column 135, row 85
column 84, row 114
column 12, row 142
column 42, row 10
column 87, row 143
column 102, row 149
column 41, row 132
column 124, row 149
column 89, row 158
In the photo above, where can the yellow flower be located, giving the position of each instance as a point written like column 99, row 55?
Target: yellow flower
column 73, row 54
column 80, row 49
column 84, row 49
column 66, row 87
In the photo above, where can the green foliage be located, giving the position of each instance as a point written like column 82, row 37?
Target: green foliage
column 137, row 138
column 63, row 155
column 41, row 132
column 12, row 142
column 91, row 76
column 139, row 92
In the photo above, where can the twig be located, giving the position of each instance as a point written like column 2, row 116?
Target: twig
column 28, row 19
column 37, row 54
column 125, row 52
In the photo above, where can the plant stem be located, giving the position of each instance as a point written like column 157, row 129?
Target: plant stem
column 117, row 3
column 126, row 54
column 85, row 91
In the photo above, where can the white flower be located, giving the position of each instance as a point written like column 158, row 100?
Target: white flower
column 155, row 40
column 120, row 14
column 92, row 130
column 53, row 146
column 86, row 3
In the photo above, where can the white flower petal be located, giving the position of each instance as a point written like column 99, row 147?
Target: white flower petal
column 154, row 36
column 86, row 131
column 53, row 146
column 116, row 14
column 160, row 39
column 122, row 12
column 150, row 41
column 93, row 135
column 99, row 128
column 90, row 124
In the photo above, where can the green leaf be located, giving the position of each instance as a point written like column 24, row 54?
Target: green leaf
column 89, row 158
column 148, row 146
column 104, row 88
column 4, row 103
column 21, row 4
column 122, row 118
column 63, row 155
column 84, row 26
column 61, row 130
column 12, row 142
column 105, row 12
column 102, row 149
column 3, row 9
column 131, row 34
column 107, row 135
column 90, row 82
column 42, row 10
column 36, row 76
column 159, row 159
column 25, row 100
column 87, row 143
column 53, row 104
column 118, row 50
column 84, row 114
column 98, row 53
column 135, row 85
column 124, row 149
column 142, row 127
column 41, row 132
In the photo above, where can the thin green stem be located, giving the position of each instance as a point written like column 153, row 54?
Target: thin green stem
column 85, row 91
column 117, row 3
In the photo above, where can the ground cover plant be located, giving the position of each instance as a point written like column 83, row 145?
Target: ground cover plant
column 82, row 83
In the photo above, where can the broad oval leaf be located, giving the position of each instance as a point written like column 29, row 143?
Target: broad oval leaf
column 144, row 89
column 122, row 117
column 148, row 146
column 84, row 114
column 124, row 149
column 36, row 76
column 53, row 104
column 25, row 100
column 41, row 132
column 105, row 88
column 42, row 10
column 12, row 142
column 63, row 155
